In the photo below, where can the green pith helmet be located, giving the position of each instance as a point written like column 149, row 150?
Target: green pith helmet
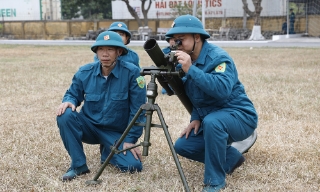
column 109, row 38
column 186, row 24
column 120, row 26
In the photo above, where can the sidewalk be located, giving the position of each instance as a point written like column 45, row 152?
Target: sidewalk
column 300, row 40
column 295, row 38
column 310, row 42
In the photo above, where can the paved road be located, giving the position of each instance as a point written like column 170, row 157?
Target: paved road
column 289, row 42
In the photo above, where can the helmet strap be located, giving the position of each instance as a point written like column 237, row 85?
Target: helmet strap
column 194, row 44
column 115, row 61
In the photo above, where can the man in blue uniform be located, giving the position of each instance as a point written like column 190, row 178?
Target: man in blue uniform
column 122, row 29
column 292, row 19
column 131, row 57
column 112, row 91
column 284, row 27
column 222, row 112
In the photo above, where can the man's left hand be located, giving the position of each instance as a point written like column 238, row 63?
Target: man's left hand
column 135, row 151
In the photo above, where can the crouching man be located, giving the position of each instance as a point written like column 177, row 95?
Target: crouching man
column 112, row 91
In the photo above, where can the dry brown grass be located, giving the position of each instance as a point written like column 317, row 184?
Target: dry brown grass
column 283, row 84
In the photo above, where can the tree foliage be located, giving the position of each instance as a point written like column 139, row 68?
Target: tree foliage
column 101, row 9
column 89, row 9
column 184, row 9
column 257, row 10
column 69, row 9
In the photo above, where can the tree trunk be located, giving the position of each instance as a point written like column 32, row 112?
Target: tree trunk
column 145, row 11
column 256, row 31
column 257, row 11
column 133, row 12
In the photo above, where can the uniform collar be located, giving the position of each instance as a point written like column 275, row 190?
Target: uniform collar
column 115, row 70
column 203, row 53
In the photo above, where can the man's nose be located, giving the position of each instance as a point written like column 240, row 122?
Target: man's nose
column 105, row 53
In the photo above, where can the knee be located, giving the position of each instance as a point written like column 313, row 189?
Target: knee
column 212, row 126
column 63, row 119
column 180, row 147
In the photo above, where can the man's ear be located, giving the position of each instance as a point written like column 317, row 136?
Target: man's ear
column 127, row 39
column 197, row 37
column 119, row 51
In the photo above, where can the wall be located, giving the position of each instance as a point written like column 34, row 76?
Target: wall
column 313, row 25
column 74, row 28
column 46, row 29
column 18, row 10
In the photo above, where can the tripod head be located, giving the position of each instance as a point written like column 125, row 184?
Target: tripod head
column 161, row 74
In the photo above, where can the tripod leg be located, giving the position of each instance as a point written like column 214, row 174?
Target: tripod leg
column 174, row 154
column 114, row 149
column 147, row 130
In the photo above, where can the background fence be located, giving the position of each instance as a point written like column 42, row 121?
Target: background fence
column 307, row 22
column 312, row 8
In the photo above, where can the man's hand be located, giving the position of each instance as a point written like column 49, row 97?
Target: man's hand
column 63, row 106
column 195, row 124
column 135, row 151
column 184, row 59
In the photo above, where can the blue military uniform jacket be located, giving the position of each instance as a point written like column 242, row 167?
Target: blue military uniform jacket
column 109, row 104
column 131, row 57
column 212, row 84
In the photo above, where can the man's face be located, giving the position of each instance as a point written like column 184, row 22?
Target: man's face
column 172, row 42
column 107, row 55
column 123, row 36
column 187, row 41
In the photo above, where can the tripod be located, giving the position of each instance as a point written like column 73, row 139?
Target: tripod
column 150, row 107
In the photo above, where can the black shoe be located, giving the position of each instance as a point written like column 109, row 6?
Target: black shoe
column 238, row 164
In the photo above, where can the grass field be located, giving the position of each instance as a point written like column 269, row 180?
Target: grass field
column 283, row 83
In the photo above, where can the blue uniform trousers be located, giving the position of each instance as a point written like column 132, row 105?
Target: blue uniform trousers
column 75, row 129
column 291, row 28
column 210, row 144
